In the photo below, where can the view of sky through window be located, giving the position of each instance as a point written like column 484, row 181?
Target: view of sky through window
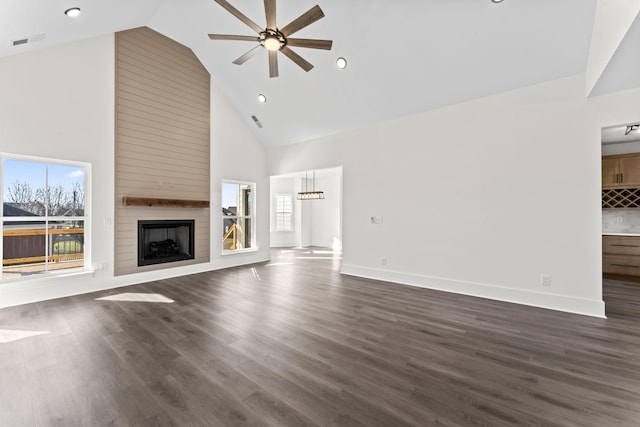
column 24, row 184
column 35, row 174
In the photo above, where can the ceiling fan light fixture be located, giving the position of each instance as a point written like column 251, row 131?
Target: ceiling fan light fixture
column 341, row 63
column 272, row 42
column 261, row 98
column 72, row 12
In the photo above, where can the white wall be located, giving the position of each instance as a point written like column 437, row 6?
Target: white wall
column 59, row 103
column 325, row 215
column 236, row 155
column 479, row 198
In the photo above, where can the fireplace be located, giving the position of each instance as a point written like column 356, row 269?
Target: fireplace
column 161, row 241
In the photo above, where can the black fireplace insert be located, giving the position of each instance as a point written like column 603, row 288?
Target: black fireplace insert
column 161, row 241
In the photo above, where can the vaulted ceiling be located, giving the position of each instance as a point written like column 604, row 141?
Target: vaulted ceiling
column 404, row 56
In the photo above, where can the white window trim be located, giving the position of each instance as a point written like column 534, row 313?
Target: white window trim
column 290, row 212
column 253, row 247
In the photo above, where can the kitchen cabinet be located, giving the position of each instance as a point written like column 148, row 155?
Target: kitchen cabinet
column 621, row 255
column 621, row 171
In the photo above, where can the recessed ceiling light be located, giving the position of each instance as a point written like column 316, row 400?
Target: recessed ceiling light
column 341, row 63
column 497, row 1
column 73, row 12
column 262, row 98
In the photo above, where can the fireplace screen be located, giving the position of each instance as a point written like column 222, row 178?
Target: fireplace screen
column 161, row 241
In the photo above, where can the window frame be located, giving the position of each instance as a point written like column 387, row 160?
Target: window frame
column 251, row 217
column 47, row 219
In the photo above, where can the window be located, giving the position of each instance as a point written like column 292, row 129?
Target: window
column 237, row 216
column 283, row 212
column 43, row 216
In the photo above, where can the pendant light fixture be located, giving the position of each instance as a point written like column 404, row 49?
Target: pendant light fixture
column 313, row 194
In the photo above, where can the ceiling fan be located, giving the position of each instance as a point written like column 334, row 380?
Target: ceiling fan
column 274, row 39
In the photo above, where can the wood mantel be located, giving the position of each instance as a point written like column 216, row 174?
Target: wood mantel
column 164, row 203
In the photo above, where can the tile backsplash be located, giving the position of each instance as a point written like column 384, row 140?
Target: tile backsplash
column 620, row 221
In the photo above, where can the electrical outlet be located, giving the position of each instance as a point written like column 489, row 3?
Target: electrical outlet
column 383, row 261
column 545, row 280
column 619, row 219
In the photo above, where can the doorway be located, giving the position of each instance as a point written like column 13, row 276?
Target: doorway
column 311, row 222
column 621, row 203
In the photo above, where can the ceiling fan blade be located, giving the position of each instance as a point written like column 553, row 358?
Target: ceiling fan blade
column 311, row 43
column 302, row 63
column 273, row 63
column 270, row 12
column 307, row 18
column 235, row 12
column 230, row 37
column 244, row 58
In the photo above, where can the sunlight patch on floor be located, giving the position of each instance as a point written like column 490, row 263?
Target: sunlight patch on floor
column 137, row 297
column 10, row 335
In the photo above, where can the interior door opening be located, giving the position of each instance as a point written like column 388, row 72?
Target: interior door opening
column 621, row 203
column 306, row 223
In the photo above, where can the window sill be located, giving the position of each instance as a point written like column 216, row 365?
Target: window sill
column 239, row 251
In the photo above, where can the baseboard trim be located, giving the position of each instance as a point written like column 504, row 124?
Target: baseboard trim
column 548, row 301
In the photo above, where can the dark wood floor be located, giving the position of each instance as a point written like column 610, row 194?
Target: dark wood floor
column 294, row 343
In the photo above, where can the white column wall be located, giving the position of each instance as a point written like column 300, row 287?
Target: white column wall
column 326, row 214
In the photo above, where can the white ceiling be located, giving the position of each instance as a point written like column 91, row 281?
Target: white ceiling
column 405, row 56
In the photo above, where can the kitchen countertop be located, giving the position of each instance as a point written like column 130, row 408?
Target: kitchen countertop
column 621, row 234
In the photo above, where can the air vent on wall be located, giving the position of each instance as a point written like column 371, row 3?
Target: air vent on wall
column 256, row 121
column 30, row 39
